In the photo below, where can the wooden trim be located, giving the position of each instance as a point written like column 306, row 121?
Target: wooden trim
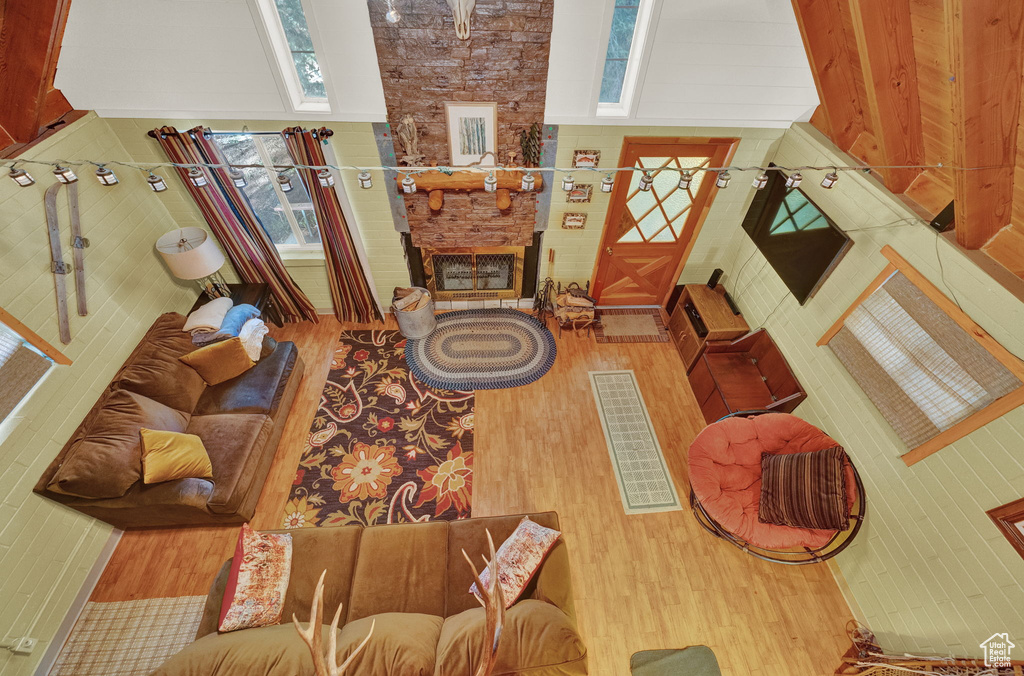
column 32, row 337
column 1005, row 518
column 997, row 408
column 885, row 274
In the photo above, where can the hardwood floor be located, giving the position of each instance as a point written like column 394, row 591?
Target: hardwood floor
column 641, row 582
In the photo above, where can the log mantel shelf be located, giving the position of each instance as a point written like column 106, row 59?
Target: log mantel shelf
column 436, row 182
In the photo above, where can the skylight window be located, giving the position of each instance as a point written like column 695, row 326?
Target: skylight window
column 292, row 43
column 630, row 20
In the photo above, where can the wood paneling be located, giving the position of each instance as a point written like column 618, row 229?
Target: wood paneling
column 641, row 582
column 986, row 41
column 885, row 44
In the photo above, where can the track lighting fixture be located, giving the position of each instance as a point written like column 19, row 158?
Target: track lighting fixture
column 793, row 180
column 156, row 183
column 646, row 181
column 408, row 185
column 365, row 180
column 568, row 182
column 64, row 174
column 491, row 183
column 284, row 182
column 528, row 183
column 105, row 176
column 197, row 177
column 723, row 179
column 685, row 178
column 831, row 178
column 761, row 181
column 325, row 177
column 237, row 177
column 21, row 177
column 607, row 183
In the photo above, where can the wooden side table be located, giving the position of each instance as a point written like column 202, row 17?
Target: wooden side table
column 702, row 314
column 257, row 295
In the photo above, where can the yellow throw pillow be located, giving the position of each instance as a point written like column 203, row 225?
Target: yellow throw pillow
column 220, row 361
column 173, row 455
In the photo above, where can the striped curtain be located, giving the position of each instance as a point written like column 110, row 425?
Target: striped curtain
column 237, row 228
column 350, row 292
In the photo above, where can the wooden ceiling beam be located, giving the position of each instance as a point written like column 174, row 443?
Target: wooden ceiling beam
column 885, row 44
column 826, row 44
column 986, row 39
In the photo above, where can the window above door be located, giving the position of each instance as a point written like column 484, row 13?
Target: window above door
column 624, row 56
column 291, row 40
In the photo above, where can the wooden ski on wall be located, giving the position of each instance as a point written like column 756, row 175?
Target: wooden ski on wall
column 57, row 265
column 78, row 243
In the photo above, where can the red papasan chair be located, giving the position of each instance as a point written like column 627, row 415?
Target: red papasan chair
column 725, row 486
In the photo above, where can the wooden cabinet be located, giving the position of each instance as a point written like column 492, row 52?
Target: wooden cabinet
column 702, row 314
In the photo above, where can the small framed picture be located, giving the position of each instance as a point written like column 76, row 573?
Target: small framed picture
column 574, row 221
column 1010, row 520
column 580, row 193
column 586, row 159
column 471, row 132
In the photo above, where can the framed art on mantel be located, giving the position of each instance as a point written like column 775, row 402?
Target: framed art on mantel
column 471, row 132
column 1010, row 520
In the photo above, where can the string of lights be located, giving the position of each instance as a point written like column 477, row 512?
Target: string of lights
column 63, row 172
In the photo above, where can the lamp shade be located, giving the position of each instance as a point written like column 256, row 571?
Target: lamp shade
column 190, row 253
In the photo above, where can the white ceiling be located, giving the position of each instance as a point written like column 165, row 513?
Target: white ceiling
column 722, row 63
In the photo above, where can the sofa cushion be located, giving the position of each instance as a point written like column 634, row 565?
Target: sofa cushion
column 318, row 549
column 258, row 390
column 106, row 459
column 235, row 443
column 804, row 490
column 402, row 644
column 401, row 569
column 471, row 535
column 519, row 558
column 154, row 371
column 173, row 455
column 267, row 651
column 258, row 581
column 535, row 634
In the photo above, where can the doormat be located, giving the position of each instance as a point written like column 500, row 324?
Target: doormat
column 645, row 484
column 383, row 447
column 489, row 349
column 631, row 325
column 698, row 660
column 129, row 638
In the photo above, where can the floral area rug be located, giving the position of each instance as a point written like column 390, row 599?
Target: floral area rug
column 383, row 448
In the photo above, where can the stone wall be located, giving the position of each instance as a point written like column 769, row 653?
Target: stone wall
column 423, row 64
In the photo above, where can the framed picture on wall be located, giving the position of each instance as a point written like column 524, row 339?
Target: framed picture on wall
column 1010, row 520
column 586, row 158
column 472, row 128
column 572, row 221
column 580, row 193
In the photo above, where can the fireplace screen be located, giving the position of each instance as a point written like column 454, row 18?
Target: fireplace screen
column 494, row 272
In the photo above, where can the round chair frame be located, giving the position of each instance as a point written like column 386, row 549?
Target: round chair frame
column 792, row 557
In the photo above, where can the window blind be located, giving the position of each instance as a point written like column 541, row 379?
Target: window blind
column 21, row 367
column 921, row 370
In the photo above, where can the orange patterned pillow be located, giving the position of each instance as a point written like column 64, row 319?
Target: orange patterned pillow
column 254, row 596
column 519, row 558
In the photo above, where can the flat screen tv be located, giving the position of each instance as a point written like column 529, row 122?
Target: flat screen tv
column 801, row 243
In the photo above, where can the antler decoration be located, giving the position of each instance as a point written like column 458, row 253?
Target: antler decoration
column 462, row 11
column 312, row 638
column 492, row 599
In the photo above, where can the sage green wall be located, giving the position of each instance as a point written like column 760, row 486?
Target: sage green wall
column 46, row 550
column 576, row 250
column 353, row 144
column 929, row 572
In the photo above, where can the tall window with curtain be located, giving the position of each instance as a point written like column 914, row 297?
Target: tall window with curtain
column 350, row 290
column 231, row 217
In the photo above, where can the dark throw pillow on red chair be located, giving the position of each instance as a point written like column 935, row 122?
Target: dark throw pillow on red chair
column 804, row 490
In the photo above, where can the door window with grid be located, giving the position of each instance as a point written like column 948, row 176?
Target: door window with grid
column 659, row 214
column 288, row 217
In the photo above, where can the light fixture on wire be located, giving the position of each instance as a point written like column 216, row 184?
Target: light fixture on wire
column 105, row 176
column 723, row 179
column 237, row 177
column 794, row 179
column 408, row 185
column 761, row 181
column 392, row 15
column 685, row 178
column 325, row 177
column 196, row 177
column 365, row 180
column 607, row 183
column 528, row 182
column 156, row 183
column 490, row 183
column 646, row 181
column 21, row 177
column 284, row 182
column 64, row 174
column 568, row 182
column 831, row 178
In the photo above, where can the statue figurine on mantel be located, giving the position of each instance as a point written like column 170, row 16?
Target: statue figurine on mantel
column 408, row 136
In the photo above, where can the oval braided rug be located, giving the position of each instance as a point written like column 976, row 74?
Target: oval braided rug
column 482, row 350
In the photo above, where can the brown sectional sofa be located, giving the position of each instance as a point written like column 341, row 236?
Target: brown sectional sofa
column 240, row 421
column 411, row 579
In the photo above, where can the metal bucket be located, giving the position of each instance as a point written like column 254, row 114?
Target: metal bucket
column 417, row 323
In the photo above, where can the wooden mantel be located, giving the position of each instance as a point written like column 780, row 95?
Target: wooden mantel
column 436, row 182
